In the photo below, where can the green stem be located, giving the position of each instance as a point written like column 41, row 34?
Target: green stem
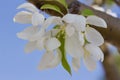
column 64, row 61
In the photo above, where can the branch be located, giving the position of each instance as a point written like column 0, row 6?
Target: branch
column 112, row 33
column 111, row 70
column 117, row 2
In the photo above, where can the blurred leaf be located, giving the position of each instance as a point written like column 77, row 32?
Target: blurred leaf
column 87, row 12
column 109, row 2
column 51, row 7
column 56, row 26
column 117, row 61
column 65, row 64
column 63, row 2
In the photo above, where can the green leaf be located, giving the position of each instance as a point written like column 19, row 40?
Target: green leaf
column 51, row 7
column 109, row 2
column 63, row 2
column 56, row 26
column 61, row 6
column 65, row 64
column 87, row 12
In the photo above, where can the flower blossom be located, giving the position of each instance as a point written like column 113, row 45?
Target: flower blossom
column 77, row 32
column 81, row 40
column 37, row 36
column 32, row 15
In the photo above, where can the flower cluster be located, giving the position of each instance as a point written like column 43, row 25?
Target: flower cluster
column 72, row 32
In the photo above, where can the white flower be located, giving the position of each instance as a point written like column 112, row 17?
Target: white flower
column 73, row 46
column 37, row 36
column 31, row 16
column 42, row 41
column 76, row 63
column 76, row 32
column 72, row 24
column 76, row 21
column 92, row 52
column 27, row 33
column 96, row 21
column 81, row 40
column 49, row 60
column 93, row 36
column 51, row 45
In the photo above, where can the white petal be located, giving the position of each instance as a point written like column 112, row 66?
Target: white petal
column 73, row 46
column 40, row 43
column 46, row 59
column 49, row 60
column 23, row 17
column 97, row 21
column 56, row 60
column 69, row 30
column 78, row 21
column 93, row 36
column 38, row 35
column 27, row 33
column 37, row 19
column 76, row 63
column 81, row 38
column 52, row 20
column 29, row 7
column 30, row 47
column 95, row 52
column 69, row 18
column 90, row 63
column 52, row 44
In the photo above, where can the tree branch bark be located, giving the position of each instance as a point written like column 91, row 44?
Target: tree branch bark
column 117, row 2
column 111, row 71
column 112, row 33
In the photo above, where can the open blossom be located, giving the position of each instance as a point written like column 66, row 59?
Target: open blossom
column 92, row 52
column 81, row 40
column 37, row 37
column 32, row 15
column 77, row 30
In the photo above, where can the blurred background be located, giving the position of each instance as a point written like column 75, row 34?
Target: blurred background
column 15, row 64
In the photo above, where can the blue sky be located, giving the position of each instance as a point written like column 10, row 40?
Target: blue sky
column 17, row 65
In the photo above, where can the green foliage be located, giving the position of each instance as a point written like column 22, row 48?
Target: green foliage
column 56, row 26
column 56, row 6
column 117, row 61
column 52, row 7
column 63, row 2
column 109, row 2
column 87, row 12
column 65, row 64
